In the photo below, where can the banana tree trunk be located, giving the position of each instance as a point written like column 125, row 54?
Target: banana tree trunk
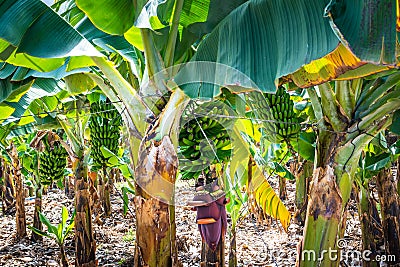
column 282, row 188
column 325, row 218
column 19, row 193
column 106, row 193
column 8, row 188
column 303, row 174
column 154, row 205
column 398, row 175
column 370, row 225
column 63, row 257
column 38, row 208
column 85, row 245
column 232, row 247
column 390, row 213
column 324, row 215
column 213, row 258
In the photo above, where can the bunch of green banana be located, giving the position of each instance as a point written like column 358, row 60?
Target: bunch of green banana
column 276, row 114
column 52, row 162
column 204, row 138
column 105, row 123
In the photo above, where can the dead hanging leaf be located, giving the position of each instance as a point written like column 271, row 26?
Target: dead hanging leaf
column 332, row 66
column 267, row 199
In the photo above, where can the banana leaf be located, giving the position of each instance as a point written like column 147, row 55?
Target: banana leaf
column 266, row 40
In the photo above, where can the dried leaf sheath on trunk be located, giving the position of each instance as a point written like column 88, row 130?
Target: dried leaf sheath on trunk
column 19, row 193
column 154, row 204
column 390, row 212
column 85, row 245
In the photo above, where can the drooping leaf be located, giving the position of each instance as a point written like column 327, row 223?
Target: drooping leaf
column 111, row 16
column 377, row 162
column 50, row 227
column 125, row 190
column 270, row 203
column 367, row 27
column 39, row 232
column 305, row 145
column 283, row 171
column 26, row 24
column 13, row 107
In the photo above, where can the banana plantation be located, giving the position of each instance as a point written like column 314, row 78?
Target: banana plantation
column 199, row 133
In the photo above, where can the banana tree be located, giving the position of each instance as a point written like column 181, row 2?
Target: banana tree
column 374, row 160
column 19, row 191
column 74, row 125
column 7, row 185
column 57, row 232
column 349, row 115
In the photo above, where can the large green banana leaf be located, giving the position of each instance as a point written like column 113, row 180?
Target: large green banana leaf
column 267, row 39
column 26, row 23
column 263, row 39
column 62, row 48
column 197, row 18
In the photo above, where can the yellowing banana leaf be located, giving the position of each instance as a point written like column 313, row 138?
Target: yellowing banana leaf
column 340, row 61
column 267, row 199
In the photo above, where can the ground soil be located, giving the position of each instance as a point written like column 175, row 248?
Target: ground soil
column 257, row 244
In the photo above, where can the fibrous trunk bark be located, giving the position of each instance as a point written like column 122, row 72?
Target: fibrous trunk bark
column 38, row 208
column 8, row 188
column 232, row 248
column 324, row 215
column 303, row 175
column 398, row 176
column 371, row 228
column 282, row 188
column 63, row 257
column 154, row 205
column 390, row 213
column 85, row 245
column 106, row 193
column 19, row 193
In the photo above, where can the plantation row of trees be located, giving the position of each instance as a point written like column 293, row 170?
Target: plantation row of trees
column 194, row 84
